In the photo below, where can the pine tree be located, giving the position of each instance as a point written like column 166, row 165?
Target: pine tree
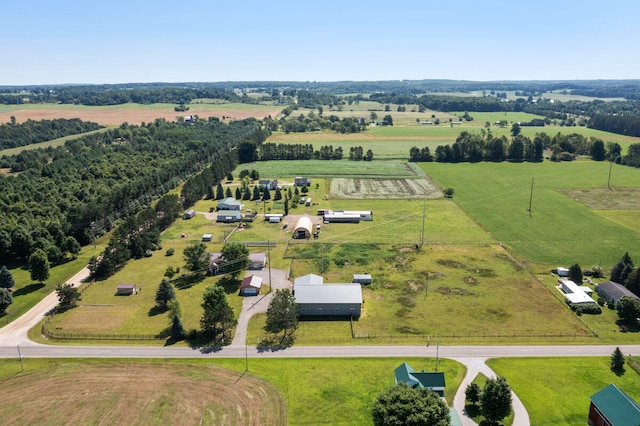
column 217, row 318
column 165, row 293
column 246, row 196
column 6, row 278
column 6, row 299
column 210, row 194
column 238, row 193
column 219, row 192
column 617, row 361
column 575, row 273
column 266, row 194
column 256, row 194
column 177, row 329
column 227, row 193
column 278, row 195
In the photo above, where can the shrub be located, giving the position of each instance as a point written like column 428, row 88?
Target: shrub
column 586, row 309
column 170, row 252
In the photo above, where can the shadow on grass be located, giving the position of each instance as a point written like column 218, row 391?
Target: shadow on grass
column 28, row 289
column 184, row 282
column 205, row 344
column 230, row 285
column 157, row 310
column 275, row 343
column 628, row 326
column 472, row 411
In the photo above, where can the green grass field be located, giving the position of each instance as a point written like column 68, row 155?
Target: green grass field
column 556, row 391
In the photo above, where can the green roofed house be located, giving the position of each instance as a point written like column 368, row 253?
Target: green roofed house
column 612, row 407
column 432, row 381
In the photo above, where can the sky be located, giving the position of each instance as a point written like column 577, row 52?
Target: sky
column 115, row 41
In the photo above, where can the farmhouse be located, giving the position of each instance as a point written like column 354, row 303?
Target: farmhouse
column 250, row 286
column 574, row 293
column 329, row 300
column 269, row 184
column 229, row 203
column 362, row 279
column 612, row 291
column 215, row 259
column 257, row 260
column 612, row 407
column 432, row 381
column 303, row 228
column 126, row 290
column 302, row 181
column 229, row 216
column 189, row 214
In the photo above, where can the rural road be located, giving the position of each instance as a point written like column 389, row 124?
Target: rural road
column 14, row 343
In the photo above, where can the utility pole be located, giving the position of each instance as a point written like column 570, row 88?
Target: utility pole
column 424, row 215
column 609, row 180
column 269, row 260
column 531, row 198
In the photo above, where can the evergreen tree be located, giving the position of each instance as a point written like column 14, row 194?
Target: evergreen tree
column 286, row 205
column 246, row 196
column 266, row 194
column 6, row 278
column 575, row 273
column 278, row 195
column 165, row 293
column 177, row 329
column 229, row 176
column 617, row 361
column 219, row 192
column 616, row 272
column 633, row 282
column 210, row 194
column 228, row 193
column 6, row 299
column 472, row 393
column 238, row 193
column 256, row 193
column 626, row 272
column 282, row 314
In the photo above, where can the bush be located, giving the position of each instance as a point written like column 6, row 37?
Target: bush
column 586, row 309
column 170, row 252
column 448, row 192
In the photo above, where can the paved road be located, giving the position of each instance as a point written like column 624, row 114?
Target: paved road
column 14, row 341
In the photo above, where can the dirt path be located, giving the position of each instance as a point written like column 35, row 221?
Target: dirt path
column 255, row 304
column 15, row 334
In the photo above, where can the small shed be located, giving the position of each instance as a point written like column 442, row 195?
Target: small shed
column 303, row 228
column 612, row 407
column 302, row 181
column 207, row 237
column 362, row 278
column 612, row 291
column 229, row 216
column 229, row 203
column 189, row 214
column 126, row 290
column 257, row 260
column 250, row 286
column 215, row 259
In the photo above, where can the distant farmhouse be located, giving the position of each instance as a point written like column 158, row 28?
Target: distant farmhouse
column 316, row 299
column 269, row 184
column 574, row 293
column 302, row 181
column 432, row 381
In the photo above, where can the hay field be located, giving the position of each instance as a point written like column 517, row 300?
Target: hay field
column 139, row 393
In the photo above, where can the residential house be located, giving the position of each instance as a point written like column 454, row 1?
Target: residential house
column 433, row 381
column 229, row 203
column 257, row 261
column 612, row 407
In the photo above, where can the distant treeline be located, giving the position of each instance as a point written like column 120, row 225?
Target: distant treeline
column 621, row 124
column 89, row 185
column 473, row 148
column 289, row 123
column 14, row 135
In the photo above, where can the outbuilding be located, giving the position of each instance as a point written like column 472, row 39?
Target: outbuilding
column 362, row 279
column 612, row 291
column 229, row 203
column 207, row 237
column 257, row 260
column 229, row 216
column 126, row 290
column 329, row 300
column 430, row 380
column 612, row 407
column 303, row 228
column 302, row 181
column 189, row 214
column 250, row 286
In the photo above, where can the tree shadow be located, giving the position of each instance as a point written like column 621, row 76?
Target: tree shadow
column 207, row 344
column 184, row 282
column 275, row 343
column 157, row 310
column 28, row 289
column 628, row 326
column 472, row 410
column 230, row 285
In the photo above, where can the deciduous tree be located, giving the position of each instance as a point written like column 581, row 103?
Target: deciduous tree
column 236, row 259
column 628, row 308
column 196, row 257
column 495, row 401
column 39, row 266
column 403, row 405
column 217, row 318
column 68, row 296
column 472, row 393
column 282, row 314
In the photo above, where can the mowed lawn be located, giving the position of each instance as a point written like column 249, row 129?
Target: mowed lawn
column 556, row 391
column 561, row 230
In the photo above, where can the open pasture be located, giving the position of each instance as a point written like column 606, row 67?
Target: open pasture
column 560, row 230
column 337, row 168
column 132, row 113
column 558, row 392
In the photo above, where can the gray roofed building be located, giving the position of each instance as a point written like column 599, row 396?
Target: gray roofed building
column 362, row 278
column 329, row 300
column 311, row 279
column 229, row 216
column 229, row 203
column 612, row 291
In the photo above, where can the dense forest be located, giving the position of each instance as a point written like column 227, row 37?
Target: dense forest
column 14, row 135
column 88, row 185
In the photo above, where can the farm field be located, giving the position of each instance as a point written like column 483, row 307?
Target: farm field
column 285, row 391
column 559, row 393
column 133, row 113
column 561, row 229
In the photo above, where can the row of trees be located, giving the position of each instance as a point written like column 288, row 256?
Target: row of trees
column 314, row 122
column 14, row 135
column 72, row 193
